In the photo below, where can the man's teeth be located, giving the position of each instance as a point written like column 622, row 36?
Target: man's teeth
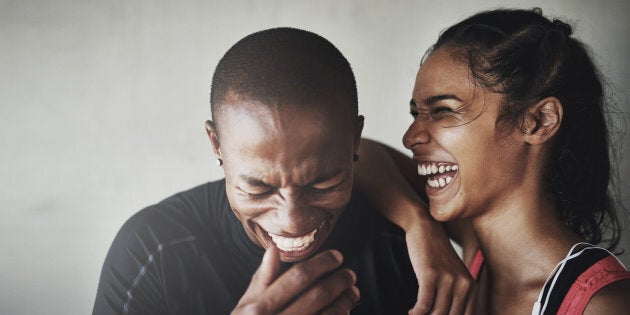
column 291, row 244
column 432, row 168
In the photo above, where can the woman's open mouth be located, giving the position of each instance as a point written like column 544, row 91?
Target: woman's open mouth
column 439, row 174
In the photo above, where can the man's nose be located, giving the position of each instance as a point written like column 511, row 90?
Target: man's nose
column 293, row 215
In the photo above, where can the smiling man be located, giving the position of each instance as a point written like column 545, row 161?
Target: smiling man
column 288, row 169
column 283, row 232
column 286, row 128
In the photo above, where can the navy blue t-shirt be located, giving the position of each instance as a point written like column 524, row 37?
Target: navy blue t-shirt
column 190, row 255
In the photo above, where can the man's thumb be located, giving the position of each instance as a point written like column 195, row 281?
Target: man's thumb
column 269, row 267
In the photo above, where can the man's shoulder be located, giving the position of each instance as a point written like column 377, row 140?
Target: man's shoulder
column 165, row 245
column 376, row 250
column 177, row 221
column 181, row 211
column 361, row 228
column 366, row 219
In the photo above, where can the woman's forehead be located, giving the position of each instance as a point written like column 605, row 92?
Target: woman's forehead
column 443, row 73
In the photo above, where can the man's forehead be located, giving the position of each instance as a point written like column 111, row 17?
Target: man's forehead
column 279, row 172
column 328, row 114
column 246, row 115
column 282, row 133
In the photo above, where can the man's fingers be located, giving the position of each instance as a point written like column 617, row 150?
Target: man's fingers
column 344, row 303
column 250, row 303
column 301, row 276
column 267, row 271
column 324, row 293
column 426, row 294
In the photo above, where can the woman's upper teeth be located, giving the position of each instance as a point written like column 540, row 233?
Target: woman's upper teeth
column 431, row 168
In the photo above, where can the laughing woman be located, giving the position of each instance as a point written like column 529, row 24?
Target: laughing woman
column 509, row 134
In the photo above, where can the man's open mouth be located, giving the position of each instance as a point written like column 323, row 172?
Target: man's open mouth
column 298, row 243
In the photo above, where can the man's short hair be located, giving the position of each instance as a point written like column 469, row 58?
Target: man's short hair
column 284, row 66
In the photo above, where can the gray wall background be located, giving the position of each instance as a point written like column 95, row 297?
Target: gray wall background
column 103, row 104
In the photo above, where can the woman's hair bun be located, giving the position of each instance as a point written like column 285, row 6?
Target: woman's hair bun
column 564, row 27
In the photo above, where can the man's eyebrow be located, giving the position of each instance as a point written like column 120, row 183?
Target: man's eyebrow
column 434, row 99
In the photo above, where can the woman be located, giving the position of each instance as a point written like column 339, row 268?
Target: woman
column 510, row 135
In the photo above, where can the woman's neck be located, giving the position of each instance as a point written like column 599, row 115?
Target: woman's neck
column 522, row 240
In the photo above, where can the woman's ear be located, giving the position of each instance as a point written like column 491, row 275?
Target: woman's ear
column 211, row 130
column 542, row 120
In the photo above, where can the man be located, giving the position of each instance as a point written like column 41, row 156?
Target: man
column 283, row 232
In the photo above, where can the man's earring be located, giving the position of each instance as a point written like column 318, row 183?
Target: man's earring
column 355, row 157
column 219, row 162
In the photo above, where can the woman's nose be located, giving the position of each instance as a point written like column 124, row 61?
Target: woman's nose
column 416, row 134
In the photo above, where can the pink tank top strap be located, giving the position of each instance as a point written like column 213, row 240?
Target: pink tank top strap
column 600, row 274
column 476, row 264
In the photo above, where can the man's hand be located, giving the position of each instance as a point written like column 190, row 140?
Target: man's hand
column 445, row 285
column 308, row 287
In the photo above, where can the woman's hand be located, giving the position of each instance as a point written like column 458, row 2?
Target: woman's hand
column 391, row 181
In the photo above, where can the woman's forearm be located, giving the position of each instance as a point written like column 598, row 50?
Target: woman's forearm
column 387, row 177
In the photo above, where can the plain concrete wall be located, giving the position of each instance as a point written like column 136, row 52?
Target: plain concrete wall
column 103, row 104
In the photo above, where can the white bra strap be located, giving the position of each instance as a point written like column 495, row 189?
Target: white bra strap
column 539, row 307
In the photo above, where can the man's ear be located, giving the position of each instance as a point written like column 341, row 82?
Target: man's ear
column 357, row 132
column 211, row 130
column 542, row 120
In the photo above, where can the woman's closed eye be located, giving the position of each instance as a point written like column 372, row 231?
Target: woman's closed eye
column 448, row 113
column 441, row 110
column 415, row 111
column 434, row 112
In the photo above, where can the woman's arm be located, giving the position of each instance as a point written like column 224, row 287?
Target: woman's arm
column 386, row 176
column 391, row 180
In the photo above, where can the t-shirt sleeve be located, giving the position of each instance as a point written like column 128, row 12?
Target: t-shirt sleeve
column 131, row 280
column 170, row 258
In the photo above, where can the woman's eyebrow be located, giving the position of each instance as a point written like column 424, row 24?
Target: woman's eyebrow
column 434, row 99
